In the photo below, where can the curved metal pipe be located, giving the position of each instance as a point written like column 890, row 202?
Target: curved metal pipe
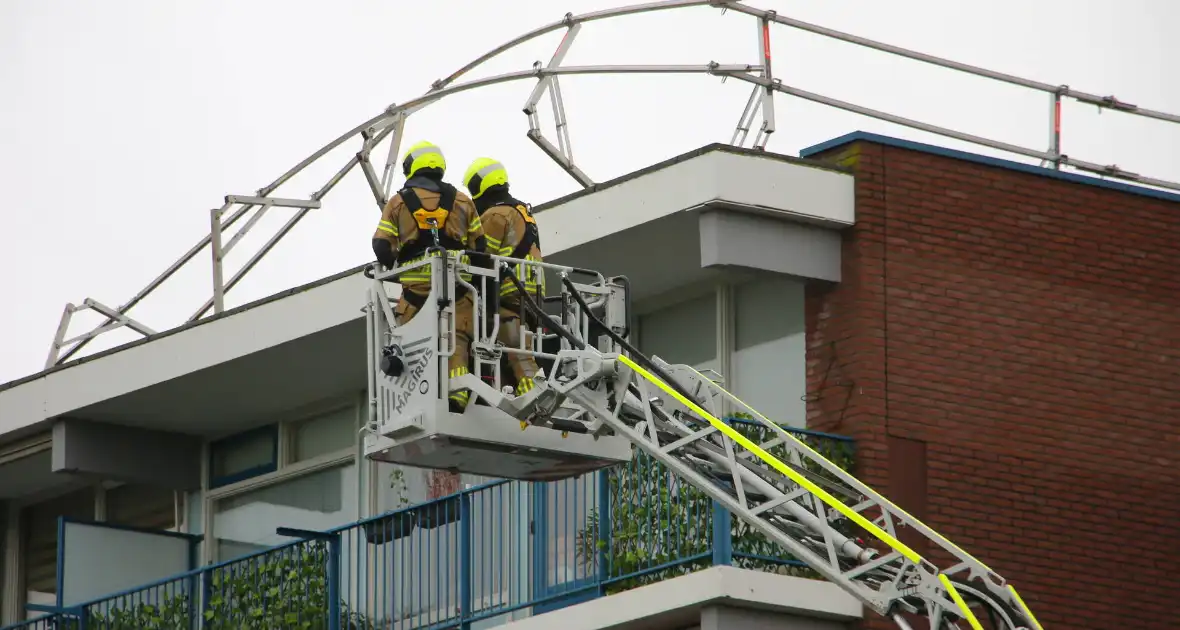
column 383, row 122
column 377, row 128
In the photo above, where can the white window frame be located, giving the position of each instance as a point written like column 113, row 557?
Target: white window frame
column 285, row 470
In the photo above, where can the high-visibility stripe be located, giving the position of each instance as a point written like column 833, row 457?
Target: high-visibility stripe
column 431, row 150
column 812, row 452
column 386, row 229
column 422, row 274
column 774, row 462
column 460, row 396
column 958, row 599
column 1024, row 607
column 489, row 169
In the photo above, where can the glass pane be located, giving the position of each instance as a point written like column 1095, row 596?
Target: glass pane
column 40, row 540
column 240, row 453
column 246, row 523
column 683, row 333
column 141, row 506
column 769, row 363
column 195, row 516
column 328, row 433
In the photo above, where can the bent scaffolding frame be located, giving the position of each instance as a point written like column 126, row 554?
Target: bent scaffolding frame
column 390, row 125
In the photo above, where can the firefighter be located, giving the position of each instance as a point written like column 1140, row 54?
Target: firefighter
column 510, row 231
column 426, row 209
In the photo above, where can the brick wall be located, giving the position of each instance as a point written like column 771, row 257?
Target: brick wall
column 1021, row 335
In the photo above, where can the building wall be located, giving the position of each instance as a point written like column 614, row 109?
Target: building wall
column 1003, row 347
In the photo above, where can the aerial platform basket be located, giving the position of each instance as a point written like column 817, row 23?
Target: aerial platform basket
column 536, row 436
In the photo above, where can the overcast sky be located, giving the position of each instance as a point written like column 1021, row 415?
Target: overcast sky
column 122, row 122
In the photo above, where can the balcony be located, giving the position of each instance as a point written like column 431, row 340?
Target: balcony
column 475, row 559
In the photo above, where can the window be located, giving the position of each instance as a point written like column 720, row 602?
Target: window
column 141, row 506
column 246, row 522
column 762, row 341
column 240, row 457
column 769, row 344
column 40, row 541
column 299, row 473
column 321, row 435
column 685, row 332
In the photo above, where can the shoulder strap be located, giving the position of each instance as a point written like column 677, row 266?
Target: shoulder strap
column 446, row 200
column 524, row 210
column 532, row 234
column 410, row 198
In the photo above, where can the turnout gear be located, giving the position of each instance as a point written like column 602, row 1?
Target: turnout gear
column 510, row 231
column 426, row 218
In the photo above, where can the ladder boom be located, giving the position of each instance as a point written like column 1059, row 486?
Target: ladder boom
column 598, row 386
column 778, row 497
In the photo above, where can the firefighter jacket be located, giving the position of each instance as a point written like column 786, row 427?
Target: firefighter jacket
column 512, row 231
column 406, row 223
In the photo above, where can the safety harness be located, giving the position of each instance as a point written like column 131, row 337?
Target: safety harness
column 532, row 235
column 430, row 224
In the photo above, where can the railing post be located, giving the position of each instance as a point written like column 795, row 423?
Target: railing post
column 206, row 595
column 604, row 530
column 215, row 246
column 1055, row 125
column 722, row 538
column 334, row 582
column 334, row 544
column 466, row 600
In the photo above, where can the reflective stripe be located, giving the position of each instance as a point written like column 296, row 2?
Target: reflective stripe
column 531, row 276
column 422, row 274
column 489, row 169
column 386, row 226
column 425, row 151
column 494, row 243
column 460, row 396
column 524, row 386
column 476, row 224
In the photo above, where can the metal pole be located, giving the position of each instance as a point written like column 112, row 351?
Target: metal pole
column 873, row 113
column 1055, row 127
column 768, row 92
column 215, row 239
column 159, row 280
column 62, row 326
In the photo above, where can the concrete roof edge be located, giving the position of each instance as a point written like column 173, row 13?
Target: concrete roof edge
column 186, row 326
column 708, row 148
column 865, row 136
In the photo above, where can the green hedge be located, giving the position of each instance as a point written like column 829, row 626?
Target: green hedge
column 283, row 590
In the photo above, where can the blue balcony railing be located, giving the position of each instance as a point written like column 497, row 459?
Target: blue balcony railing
column 468, row 559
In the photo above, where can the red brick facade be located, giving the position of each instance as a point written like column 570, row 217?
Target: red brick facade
column 1005, row 348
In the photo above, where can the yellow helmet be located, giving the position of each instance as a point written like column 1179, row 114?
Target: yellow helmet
column 483, row 174
column 423, row 155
